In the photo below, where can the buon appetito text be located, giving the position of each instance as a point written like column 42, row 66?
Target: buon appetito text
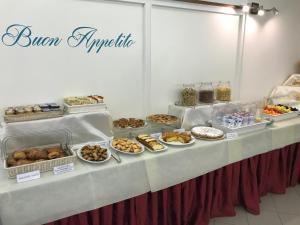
column 18, row 35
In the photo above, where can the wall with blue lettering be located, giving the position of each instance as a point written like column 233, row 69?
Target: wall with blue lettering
column 50, row 49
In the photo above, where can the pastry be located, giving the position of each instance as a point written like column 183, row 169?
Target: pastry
column 53, row 149
column 54, row 152
column 23, row 162
column 207, row 133
column 36, row 108
column 11, row 161
column 28, row 109
column 20, row 110
column 135, row 123
column 32, row 155
column 84, row 100
column 94, row 153
column 35, row 154
column 53, row 155
column 126, row 145
column 31, row 109
column 121, row 123
column 19, row 155
column 163, row 119
column 183, row 137
column 131, row 122
column 10, row 111
column 98, row 98
column 150, row 142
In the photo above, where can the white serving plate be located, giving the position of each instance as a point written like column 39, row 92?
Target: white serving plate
column 243, row 129
column 176, row 143
column 94, row 162
column 84, row 108
column 129, row 153
column 284, row 116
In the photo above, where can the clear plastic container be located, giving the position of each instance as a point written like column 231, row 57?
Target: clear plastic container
column 188, row 95
column 223, row 91
column 206, row 92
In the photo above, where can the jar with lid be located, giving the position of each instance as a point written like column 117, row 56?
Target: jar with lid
column 206, row 92
column 188, row 95
column 223, row 91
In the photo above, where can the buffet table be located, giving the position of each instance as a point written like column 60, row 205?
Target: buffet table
column 157, row 184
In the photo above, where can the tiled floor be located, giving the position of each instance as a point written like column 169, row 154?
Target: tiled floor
column 275, row 210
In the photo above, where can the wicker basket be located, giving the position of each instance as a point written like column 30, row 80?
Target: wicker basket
column 42, row 166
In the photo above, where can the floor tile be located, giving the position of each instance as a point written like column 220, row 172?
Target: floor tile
column 288, row 219
column 267, row 204
column 288, row 202
column 297, row 189
column 212, row 222
column 239, row 219
column 219, row 223
column 264, row 218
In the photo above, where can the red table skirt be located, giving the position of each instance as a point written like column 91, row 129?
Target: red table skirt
column 195, row 201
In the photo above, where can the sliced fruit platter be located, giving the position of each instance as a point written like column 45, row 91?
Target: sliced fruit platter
column 280, row 112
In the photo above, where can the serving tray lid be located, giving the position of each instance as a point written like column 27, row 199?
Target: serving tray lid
column 30, row 139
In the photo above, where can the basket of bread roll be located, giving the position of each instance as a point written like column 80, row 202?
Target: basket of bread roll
column 36, row 151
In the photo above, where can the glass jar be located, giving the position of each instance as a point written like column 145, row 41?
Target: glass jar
column 188, row 95
column 206, row 92
column 223, row 91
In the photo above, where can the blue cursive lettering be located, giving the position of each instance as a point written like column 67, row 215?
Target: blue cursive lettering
column 85, row 36
column 21, row 35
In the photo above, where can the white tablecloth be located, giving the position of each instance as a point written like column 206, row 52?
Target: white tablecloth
column 93, row 186
column 84, row 126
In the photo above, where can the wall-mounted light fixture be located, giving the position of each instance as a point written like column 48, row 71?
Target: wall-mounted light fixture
column 256, row 9
column 273, row 10
column 252, row 8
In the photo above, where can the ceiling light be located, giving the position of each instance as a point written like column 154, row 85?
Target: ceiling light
column 261, row 11
column 246, row 8
column 276, row 11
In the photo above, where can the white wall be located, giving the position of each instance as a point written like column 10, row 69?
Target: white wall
column 131, row 79
column 190, row 46
column 47, row 74
column 272, row 49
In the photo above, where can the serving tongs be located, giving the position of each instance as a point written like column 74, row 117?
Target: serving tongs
column 116, row 156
